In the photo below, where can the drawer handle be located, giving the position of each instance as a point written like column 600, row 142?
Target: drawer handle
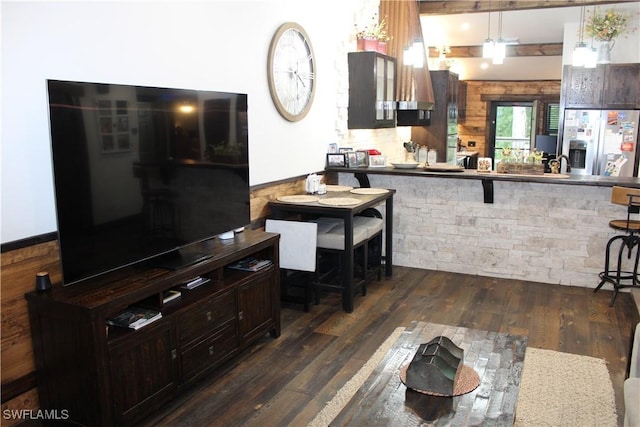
column 209, row 317
column 211, row 351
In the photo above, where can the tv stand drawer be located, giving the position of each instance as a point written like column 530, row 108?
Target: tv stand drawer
column 199, row 321
column 208, row 353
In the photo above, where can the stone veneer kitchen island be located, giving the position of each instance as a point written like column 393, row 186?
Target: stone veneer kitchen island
column 543, row 229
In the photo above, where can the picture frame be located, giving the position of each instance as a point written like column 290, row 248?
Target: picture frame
column 362, row 159
column 345, row 149
column 333, row 148
column 378, row 161
column 351, row 159
column 336, row 160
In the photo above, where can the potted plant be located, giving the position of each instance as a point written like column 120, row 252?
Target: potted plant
column 372, row 35
column 605, row 28
column 383, row 40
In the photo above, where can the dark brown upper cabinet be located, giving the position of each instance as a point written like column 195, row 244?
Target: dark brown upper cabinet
column 372, row 88
column 606, row 86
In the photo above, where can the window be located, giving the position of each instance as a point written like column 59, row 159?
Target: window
column 513, row 122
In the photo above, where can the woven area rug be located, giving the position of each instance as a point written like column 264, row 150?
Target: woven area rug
column 557, row 389
column 562, row 389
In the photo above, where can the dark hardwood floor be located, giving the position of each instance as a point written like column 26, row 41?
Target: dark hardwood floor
column 286, row 381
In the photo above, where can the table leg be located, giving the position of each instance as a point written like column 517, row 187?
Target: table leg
column 388, row 238
column 347, row 274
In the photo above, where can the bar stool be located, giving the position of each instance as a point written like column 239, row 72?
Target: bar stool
column 623, row 276
column 297, row 256
column 367, row 234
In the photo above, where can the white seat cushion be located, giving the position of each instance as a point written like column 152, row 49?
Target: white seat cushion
column 331, row 234
column 373, row 225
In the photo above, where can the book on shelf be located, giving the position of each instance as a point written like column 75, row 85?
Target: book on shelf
column 251, row 264
column 194, row 282
column 170, row 295
column 135, row 317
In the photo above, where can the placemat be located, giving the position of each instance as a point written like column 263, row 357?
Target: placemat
column 340, row 201
column 300, row 198
column 466, row 381
column 369, row 191
column 339, row 188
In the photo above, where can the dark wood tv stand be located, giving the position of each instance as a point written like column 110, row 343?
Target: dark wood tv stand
column 99, row 375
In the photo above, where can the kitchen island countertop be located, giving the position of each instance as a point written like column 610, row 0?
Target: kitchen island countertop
column 589, row 180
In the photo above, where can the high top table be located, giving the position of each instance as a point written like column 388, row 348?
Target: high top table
column 287, row 209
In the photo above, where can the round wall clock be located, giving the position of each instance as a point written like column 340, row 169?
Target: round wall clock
column 291, row 71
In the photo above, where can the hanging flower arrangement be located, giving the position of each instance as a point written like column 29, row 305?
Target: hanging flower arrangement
column 607, row 26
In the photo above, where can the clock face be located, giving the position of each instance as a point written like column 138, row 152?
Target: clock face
column 291, row 71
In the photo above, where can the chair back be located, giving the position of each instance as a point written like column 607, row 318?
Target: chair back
column 629, row 197
column 625, row 196
column 298, row 240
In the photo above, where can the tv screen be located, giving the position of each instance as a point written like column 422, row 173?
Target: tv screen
column 143, row 173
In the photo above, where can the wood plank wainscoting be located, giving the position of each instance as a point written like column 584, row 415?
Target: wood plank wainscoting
column 19, row 263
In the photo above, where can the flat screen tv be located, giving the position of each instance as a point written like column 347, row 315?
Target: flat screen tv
column 141, row 174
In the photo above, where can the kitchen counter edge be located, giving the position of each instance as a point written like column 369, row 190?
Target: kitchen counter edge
column 588, row 180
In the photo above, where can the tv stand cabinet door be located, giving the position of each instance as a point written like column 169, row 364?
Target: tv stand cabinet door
column 259, row 307
column 143, row 372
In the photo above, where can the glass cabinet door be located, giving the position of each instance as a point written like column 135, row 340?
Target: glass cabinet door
column 380, row 88
column 390, row 86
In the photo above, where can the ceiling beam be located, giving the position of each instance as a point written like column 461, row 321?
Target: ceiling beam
column 434, row 7
column 545, row 49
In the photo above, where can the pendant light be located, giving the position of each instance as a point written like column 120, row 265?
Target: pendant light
column 580, row 51
column 499, row 48
column 591, row 57
column 418, row 53
column 414, row 54
column 487, row 46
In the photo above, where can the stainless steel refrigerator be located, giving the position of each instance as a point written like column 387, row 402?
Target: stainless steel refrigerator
column 601, row 142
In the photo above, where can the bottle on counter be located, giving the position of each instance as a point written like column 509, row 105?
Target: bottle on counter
column 432, row 157
column 421, row 157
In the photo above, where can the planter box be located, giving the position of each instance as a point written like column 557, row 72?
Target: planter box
column 520, row 168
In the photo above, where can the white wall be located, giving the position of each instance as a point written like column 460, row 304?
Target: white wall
column 625, row 49
column 209, row 45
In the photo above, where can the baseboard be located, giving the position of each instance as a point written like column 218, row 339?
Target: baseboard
column 12, row 389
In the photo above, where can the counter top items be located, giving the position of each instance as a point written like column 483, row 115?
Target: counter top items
column 484, row 164
column 298, row 198
column 377, row 161
column 340, row 201
column 339, row 188
column 443, row 167
column 313, row 181
column 411, row 165
column 369, row 191
column 492, row 174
